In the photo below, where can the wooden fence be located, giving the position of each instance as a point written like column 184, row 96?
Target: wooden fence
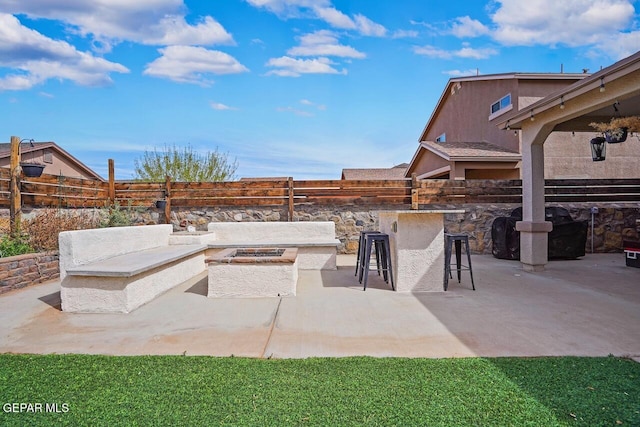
column 64, row 192
column 510, row 191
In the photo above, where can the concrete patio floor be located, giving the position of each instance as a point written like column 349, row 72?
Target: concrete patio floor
column 586, row 307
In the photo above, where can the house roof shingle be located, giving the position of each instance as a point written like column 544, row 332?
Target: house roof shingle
column 476, row 151
column 396, row 172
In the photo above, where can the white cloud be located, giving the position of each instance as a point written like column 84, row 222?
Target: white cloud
column 335, row 18
column 401, row 34
column 174, row 30
column 221, row 107
column 286, row 66
column 153, row 22
column 460, row 73
column 321, row 107
column 620, row 45
column 323, row 43
column 37, row 58
column 551, row 22
column 464, row 26
column 295, row 111
column 190, row 64
column 464, row 52
column 288, row 8
column 469, row 52
column 369, row 28
column 322, row 9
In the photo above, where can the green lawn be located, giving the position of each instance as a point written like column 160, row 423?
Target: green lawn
column 175, row 390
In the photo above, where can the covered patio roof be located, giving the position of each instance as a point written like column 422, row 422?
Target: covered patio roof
column 570, row 109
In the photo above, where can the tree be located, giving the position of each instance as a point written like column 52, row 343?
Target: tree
column 184, row 164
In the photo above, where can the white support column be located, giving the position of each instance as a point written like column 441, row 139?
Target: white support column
column 533, row 228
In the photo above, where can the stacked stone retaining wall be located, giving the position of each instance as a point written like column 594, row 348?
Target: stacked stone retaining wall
column 24, row 270
column 612, row 224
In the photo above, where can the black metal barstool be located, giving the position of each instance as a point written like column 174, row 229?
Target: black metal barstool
column 458, row 239
column 379, row 241
column 360, row 254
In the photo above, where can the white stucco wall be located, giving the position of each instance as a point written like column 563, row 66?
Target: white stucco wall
column 84, row 246
column 417, row 248
column 92, row 294
column 273, row 231
column 230, row 280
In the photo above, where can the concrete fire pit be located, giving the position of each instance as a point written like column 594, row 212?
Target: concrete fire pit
column 253, row 272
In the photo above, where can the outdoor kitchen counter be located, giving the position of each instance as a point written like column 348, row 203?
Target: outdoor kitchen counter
column 417, row 247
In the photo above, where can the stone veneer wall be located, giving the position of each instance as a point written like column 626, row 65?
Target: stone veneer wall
column 24, row 270
column 613, row 223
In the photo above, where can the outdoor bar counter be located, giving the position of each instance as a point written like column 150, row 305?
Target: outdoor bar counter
column 417, row 247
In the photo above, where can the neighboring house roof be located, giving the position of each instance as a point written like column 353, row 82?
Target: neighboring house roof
column 396, row 172
column 455, row 84
column 471, row 151
column 266, row 178
column 26, row 148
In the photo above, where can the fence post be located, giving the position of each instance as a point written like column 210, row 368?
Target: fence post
column 112, row 182
column 290, row 212
column 414, row 191
column 15, row 206
column 167, row 207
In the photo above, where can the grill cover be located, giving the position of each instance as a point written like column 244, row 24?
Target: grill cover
column 567, row 240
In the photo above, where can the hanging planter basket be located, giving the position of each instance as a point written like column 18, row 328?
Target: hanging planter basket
column 615, row 136
column 32, row 170
column 617, row 129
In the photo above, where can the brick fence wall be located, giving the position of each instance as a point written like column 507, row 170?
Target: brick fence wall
column 24, row 270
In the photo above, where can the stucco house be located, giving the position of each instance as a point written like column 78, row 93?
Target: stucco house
column 395, row 172
column 461, row 140
column 57, row 161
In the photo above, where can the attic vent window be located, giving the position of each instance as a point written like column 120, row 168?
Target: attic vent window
column 503, row 103
column 442, row 138
column 47, row 156
column 501, row 106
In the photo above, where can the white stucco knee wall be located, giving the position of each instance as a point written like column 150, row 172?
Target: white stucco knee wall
column 83, row 246
column 273, row 231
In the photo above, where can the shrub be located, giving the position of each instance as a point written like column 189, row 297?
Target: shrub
column 116, row 216
column 14, row 245
column 41, row 231
column 44, row 227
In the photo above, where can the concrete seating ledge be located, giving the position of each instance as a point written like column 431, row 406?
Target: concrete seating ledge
column 135, row 263
column 116, row 270
column 316, row 240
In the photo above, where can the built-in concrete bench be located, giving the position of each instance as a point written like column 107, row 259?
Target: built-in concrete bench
column 119, row 269
column 316, row 240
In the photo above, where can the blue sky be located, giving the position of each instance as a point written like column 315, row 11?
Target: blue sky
column 298, row 88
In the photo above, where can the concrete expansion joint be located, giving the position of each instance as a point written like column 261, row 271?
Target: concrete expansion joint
column 273, row 325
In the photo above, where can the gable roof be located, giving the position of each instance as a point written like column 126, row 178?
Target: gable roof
column 5, row 151
column 396, row 172
column 455, row 84
column 471, row 151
